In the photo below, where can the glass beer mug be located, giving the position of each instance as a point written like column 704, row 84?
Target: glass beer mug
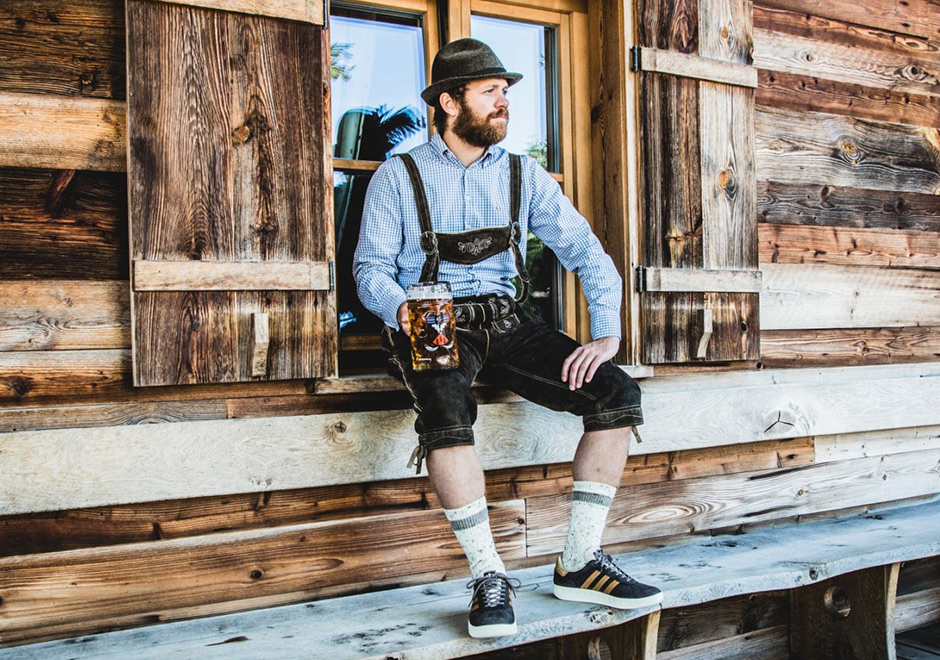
column 433, row 327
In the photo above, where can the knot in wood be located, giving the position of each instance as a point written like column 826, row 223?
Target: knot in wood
column 724, row 32
column 256, row 574
column 808, row 56
column 339, row 427
column 241, row 134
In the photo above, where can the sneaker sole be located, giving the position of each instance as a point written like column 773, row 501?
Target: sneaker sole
column 495, row 630
column 597, row 598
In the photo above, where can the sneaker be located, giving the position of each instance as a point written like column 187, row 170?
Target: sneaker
column 491, row 613
column 603, row 583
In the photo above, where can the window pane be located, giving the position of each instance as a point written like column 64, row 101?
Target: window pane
column 378, row 72
column 529, row 50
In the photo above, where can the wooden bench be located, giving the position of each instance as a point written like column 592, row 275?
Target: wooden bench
column 841, row 573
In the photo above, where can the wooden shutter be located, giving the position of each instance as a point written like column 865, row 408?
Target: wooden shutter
column 230, row 189
column 699, row 280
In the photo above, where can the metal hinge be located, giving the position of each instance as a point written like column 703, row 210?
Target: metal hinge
column 332, row 274
column 635, row 59
column 641, row 279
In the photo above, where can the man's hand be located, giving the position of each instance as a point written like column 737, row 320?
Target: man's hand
column 579, row 367
column 403, row 319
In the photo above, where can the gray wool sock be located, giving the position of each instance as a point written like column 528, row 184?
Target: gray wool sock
column 590, row 504
column 471, row 525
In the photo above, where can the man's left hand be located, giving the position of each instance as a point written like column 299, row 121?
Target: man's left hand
column 579, row 367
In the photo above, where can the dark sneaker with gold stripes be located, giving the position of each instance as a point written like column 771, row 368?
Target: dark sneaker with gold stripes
column 491, row 613
column 603, row 583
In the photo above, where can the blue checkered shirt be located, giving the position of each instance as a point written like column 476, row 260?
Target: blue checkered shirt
column 389, row 256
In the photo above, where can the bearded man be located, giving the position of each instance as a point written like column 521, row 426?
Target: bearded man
column 422, row 211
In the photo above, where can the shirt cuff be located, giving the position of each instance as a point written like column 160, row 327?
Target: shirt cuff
column 605, row 323
column 390, row 308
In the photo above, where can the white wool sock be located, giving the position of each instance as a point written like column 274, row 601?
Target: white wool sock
column 589, row 507
column 471, row 525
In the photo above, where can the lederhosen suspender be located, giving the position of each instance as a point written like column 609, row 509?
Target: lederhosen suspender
column 469, row 247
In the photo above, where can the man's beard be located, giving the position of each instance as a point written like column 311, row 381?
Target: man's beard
column 480, row 131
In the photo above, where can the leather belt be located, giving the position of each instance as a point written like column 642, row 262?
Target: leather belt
column 483, row 310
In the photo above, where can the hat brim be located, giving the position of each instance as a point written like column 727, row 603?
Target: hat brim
column 433, row 92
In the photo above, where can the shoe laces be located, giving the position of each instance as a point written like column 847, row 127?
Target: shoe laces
column 607, row 563
column 493, row 589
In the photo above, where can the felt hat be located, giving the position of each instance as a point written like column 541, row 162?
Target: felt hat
column 463, row 61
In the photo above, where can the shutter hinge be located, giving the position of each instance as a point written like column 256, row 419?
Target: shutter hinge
column 332, row 275
column 641, row 279
column 635, row 59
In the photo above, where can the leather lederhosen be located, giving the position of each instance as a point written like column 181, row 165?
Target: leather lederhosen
column 475, row 245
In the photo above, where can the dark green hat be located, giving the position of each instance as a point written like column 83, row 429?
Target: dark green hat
column 463, row 61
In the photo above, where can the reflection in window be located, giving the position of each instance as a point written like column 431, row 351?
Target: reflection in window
column 378, row 71
column 530, row 50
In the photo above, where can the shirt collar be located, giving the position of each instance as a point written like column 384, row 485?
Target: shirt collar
column 490, row 155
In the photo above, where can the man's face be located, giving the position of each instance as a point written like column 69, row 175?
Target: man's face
column 483, row 113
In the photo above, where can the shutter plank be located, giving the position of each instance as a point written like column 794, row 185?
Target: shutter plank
column 230, row 194
column 690, row 66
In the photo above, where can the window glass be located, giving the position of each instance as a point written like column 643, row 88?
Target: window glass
column 378, row 71
column 527, row 49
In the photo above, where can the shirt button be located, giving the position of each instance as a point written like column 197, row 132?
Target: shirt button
column 466, row 198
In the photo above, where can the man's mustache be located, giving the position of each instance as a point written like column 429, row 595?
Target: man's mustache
column 499, row 113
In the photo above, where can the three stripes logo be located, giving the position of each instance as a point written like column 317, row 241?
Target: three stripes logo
column 605, row 584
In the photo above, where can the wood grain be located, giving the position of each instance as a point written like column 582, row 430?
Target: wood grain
column 251, row 137
column 912, row 17
column 842, row 246
column 805, row 92
column 310, row 11
column 841, row 447
column 59, row 224
column 816, row 148
column 901, row 72
column 699, row 504
column 849, row 347
column 63, row 47
column 699, row 280
column 83, row 591
column 61, row 132
column 799, row 296
column 231, row 275
column 834, row 206
column 720, row 620
column 51, row 315
column 673, row 63
column 46, row 375
column 768, row 644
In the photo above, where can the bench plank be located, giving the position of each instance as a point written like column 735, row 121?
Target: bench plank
column 428, row 622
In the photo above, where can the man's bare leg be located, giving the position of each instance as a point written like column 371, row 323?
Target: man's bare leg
column 456, row 475
column 601, row 456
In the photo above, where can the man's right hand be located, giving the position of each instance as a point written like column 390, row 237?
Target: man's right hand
column 403, row 320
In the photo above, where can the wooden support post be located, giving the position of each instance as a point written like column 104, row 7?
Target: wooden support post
column 848, row 617
column 634, row 640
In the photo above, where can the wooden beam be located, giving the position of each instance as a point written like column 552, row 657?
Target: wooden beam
column 231, row 276
column 698, row 280
column 61, row 133
column 766, row 644
column 850, row 615
column 817, row 296
column 917, row 610
column 816, row 148
column 48, row 315
column 308, row 11
column 222, row 457
column 913, row 17
column 674, row 63
column 841, row 447
column 848, row 347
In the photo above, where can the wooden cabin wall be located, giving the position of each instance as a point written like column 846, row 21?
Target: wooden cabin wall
column 850, row 220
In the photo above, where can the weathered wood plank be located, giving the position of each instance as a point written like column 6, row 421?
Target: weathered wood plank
column 231, row 275
column 834, row 206
column 63, row 315
column 912, row 17
column 309, row 11
column 222, row 457
column 695, row 626
column 918, row 609
column 822, row 296
column 768, row 644
column 699, row 280
column 691, row 573
column 902, row 72
column 237, row 204
column 62, row 47
column 781, row 349
column 38, row 375
column 63, row 224
column 794, row 244
column 27, row 534
column 673, row 63
column 792, row 91
column 82, row 591
column 61, row 132
column 816, row 148
column 666, row 509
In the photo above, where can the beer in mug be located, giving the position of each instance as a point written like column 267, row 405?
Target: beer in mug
column 433, row 327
